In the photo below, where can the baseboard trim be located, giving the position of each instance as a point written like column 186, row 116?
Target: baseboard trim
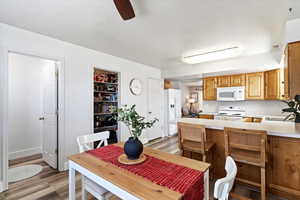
column 144, row 140
column 66, row 166
column 1, row 187
column 24, row 153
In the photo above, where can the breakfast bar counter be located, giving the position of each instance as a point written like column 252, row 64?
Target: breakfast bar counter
column 283, row 153
column 275, row 128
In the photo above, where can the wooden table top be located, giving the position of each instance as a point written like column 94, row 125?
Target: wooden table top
column 134, row 184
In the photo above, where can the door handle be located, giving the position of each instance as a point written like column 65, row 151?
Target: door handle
column 41, row 118
column 150, row 112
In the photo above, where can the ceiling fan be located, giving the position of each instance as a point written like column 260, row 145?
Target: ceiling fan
column 125, row 9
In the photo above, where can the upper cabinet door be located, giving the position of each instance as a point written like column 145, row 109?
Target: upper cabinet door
column 272, row 85
column 255, row 86
column 209, row 88
column 286, row 84
column 237, row 80
column 294, row 68
column 223, row 81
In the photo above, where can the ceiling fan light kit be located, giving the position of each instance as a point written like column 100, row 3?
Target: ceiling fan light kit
column 125, row 9
column 212, row 55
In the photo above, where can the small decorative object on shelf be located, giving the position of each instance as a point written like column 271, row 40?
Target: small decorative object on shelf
column 135, row 123
column 294, row 109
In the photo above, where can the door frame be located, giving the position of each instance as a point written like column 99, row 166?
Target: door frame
column 4, row 53
column 162, row 118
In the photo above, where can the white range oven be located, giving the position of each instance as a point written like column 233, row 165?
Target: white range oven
column 230, row 113
column 231, row 94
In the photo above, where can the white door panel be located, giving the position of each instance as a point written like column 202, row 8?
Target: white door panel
column 178, row 104
column 155, row 107
column 50, row 117
column 174, row 104
column 172, row 129
column 173, row 110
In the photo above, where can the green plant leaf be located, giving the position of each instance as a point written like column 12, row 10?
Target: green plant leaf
column 297, row 98
column 291, row 104
column 289, row 110
column 135, row 122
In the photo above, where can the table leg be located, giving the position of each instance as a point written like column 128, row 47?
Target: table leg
column 206, row 185
column 72, row 182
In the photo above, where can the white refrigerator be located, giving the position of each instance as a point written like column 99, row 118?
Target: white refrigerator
column 172, row 111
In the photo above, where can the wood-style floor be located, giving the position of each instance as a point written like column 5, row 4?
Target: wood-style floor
column 53, row 185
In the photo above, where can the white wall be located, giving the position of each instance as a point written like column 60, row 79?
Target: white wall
column 199, row 105
column 186, row 88
column 25, row 97
column 3, row 117
column 251, row 107
column 258, row 62
column 292, row 30
column 186, row 91
column 79, row 63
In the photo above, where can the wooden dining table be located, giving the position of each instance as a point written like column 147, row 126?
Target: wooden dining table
column 127, row 185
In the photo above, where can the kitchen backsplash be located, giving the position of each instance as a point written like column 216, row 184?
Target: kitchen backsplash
column 251, row 107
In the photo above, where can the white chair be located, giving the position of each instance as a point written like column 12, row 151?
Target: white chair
column 224, row 185
column 85, row 143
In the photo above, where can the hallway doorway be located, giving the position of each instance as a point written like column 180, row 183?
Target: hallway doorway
column 32, row 117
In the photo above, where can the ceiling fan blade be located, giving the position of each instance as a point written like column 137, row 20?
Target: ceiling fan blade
column 125, row 9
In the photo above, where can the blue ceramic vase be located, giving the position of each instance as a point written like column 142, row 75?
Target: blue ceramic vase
column 133, row 148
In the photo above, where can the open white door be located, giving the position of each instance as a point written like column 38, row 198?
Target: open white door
column 50, row 151
column 155, row 107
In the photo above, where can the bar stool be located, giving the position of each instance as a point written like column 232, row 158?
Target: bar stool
column 193, row 138
column 248, row 147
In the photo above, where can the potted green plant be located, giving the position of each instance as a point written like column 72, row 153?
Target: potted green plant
column 135, row 124
column 294, row 109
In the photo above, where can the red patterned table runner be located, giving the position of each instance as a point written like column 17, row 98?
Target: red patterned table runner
column 184, row 180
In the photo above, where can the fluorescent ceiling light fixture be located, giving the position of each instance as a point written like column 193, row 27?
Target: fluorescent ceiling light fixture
column 212, row 55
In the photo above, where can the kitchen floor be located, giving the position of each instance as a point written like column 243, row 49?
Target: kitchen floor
column 53, row 185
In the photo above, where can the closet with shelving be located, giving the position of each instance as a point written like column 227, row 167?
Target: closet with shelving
column 105, row 99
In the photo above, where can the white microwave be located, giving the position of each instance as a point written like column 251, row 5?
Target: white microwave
column 231, row 94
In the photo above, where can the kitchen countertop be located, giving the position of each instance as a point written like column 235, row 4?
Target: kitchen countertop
column 208, row 113
column 246, row 115
column 275, row 128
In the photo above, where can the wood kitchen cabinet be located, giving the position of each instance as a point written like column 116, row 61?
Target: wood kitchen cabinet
column 255, row 86
column 167, row 84
column 209, row 88
column 293, row 69
column 206, row 116
column 268, row 85
column 284, row 172
column 272, row 85
column 237, row 80
column 224, row 81
column 275, row 84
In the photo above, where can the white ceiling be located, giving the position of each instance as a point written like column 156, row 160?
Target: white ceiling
column 162, row 31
